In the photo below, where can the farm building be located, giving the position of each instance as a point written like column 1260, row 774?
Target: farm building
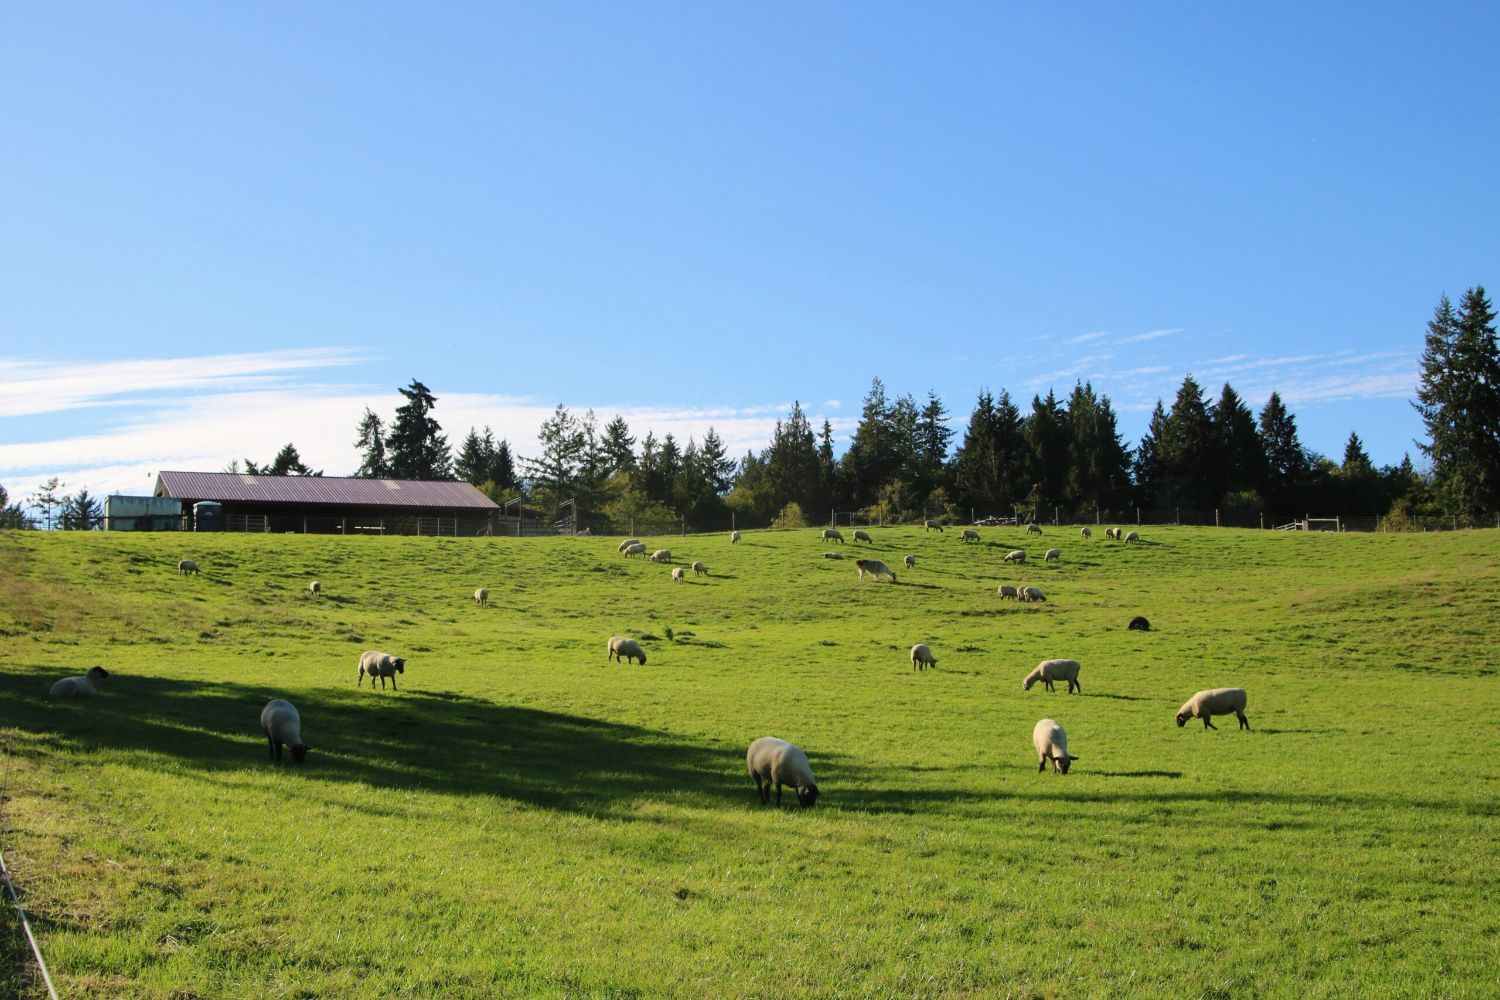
column 330, row 505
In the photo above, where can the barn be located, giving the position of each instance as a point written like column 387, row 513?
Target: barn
column 329, row 505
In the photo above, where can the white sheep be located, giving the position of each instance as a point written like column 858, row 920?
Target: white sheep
column 1132, row 536
column 79, row 687
column 635, row 549
column 1030, row 595
column 699, row 569
column 911, row 562
column 1051, row 744
column 661, row 556
column 969, row 535
column 621, row 648
column 187, row 566
column 921, row 657
column 1053, row 555
column 875, row 568
column 1085, row 532
column 777, row 762
column 627, row 543
column 930, row 525
column 1218, row 701
column 1113, row 533
column 734, row 536
column 678, row 574
column 833, row 535
column 863, row 536
column 1015, row 556
column 1054, row 670
column 1033, row 528
column 482, row 596
column 382, row 665
column 1006, row 590
column 833, row 555
column 315, row 589
column 283, row 727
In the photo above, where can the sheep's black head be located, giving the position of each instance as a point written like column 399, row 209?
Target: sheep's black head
column 299, row 752
column 1064, row 762
column 643, row 657
column 807, row 795
column 97, row 673
column 399, row 662
column 1182, row 718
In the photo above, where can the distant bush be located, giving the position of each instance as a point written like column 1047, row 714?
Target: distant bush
column 791, row 516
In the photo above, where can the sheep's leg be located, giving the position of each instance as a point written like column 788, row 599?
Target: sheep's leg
column 272, row 741
column 1244, row 722
column 1208, row 724
column 393, row 682
column 778, row 793
column 1074, row 684
column 1041, row 765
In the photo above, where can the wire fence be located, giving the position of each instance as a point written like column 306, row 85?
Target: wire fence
column 24, row 972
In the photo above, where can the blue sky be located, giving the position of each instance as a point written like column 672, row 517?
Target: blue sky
column 227, row 228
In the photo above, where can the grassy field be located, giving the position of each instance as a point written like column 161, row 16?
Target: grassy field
column 522, row 818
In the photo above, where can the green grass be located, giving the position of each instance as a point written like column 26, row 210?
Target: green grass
column 522, row 818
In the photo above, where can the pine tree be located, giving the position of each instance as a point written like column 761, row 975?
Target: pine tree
column 1187, row 451
column 934, row 437
column 873, row 457
column 1242, row 465
column 1099, row 472
column 988, row 470
column 47, row 498
column 476, row 457
column 1148, row 472
column 618, row 446
column 11, row 515
column 371, row 443
column 287, row 463
column 418, row 449
column 791, row 464
column 1458, row 396
column 554, row 471
column 1048, row 447
column 502, row 467
column 81, row 512
column 717, row 467
column 1287, row 462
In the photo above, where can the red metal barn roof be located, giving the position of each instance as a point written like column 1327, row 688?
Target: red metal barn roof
column 333, row 490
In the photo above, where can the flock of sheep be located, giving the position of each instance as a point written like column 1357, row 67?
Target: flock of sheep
column 770, row 761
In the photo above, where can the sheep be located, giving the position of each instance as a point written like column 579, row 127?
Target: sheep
column 1054, row 670
column 921, row 657
column 930, row 525
column 1218, row 701
column 833, row 535
column 1139, row 624
column 1051, row 744
column 1053, row 555
column 79, row 687
column 1085, row 532
column 1006, row 590
column 679, row 574
column 621, row 648
column 315, row 589
column 969, row 535
column 187, row 566
column 1033, row 528
column 627, row 543
column 382, row 665
column 661, row 556
column 699, row 569
column 875, row 568
column 833, row 555
column 1016, row 556
column 1113, row 533
column 777, row 762
column 635, row 549
column 283, row 726
column 482, row 597
column 911, row 562
column 1133, row 536
column 863, row 536
column 1030, row 595
column 734, row 536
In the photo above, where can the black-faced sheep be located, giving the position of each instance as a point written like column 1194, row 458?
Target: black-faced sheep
column 627, row 543
column 1139, row 624
column 969, row 535
column 1052, row 555
column 910, row 562
column 777, row 762
column 875, row 568
column 661, row 556
column 833, row 535
column 382, row 665
column 1085, row 532
column 930, row 525
column 699, row 569
column 283, row 727
column 1132, row 536
column 1218, row 701
column 315, row 589
column 863, row 536
column 1015, row 556
column 1054, row 670
column 678, row 574
column 1030, row 595
column 921, row 657
column 626, row 650
column 1051, row 744
column 833, row 555
column 79, row 687
column 635, row 549
column 1113, row 533
column 734, row 536
column 1033, row 528
column 1006, row 590
column 187, row 566
column 482, row 596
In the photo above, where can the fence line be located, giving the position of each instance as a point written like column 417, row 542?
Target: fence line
column 10, row 889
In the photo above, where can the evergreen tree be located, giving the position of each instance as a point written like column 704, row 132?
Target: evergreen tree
column 371, row 443
column 1098, row 474
column 1242, row 463
column 791, row 464
column 1356, row 462
column 502, row 467
column 989, row 469
column 1287, row 462
column 1359, row 484
column 11, row 515
column 668, row 469
column 1048, row 449
column 934, row 437
column 873, row 457
column 81, row 512
column 1187, row 452
column 1458, row 396
column 1149, row 473
column 553, row 474
column 828, row 470
column 618, row 446
column 476, row 457
column 47, row 498
column 418, row 449
column 717, row 468
column 286, row 463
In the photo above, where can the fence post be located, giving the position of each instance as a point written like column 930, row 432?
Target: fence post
column 731, row 520
column 1216, row 518
column 1262, row 520
column 683, row 522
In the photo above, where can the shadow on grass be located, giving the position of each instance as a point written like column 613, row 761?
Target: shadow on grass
column 1139, row 774
column 438, row 741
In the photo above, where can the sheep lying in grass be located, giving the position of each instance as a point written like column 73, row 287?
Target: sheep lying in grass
column 283, row 727
column 187, row 566
column 734, row 536
column 777, row 762
column 315, row 589
column 628, row 650
column 833, row 555
column 911, row 562
column 1054, row 670
column 1030, row 595
column 930, row 525
column 635, row 549
column 1051, row 744
column 863, row 536
column 1033, row 528
column 1139, row 624
column 699, row 569
column 382, row 665
column 1006, row 590
column 921, row 657
column 1133, row 536
column 679, row 574
column 875, row 568
column 1085, row 532
column 79, row 687
column 1015, row 556
column 627, row 543
column 969, row 535
column 482, row 597
column 833, row 535
column 1218, row 701
column 661, row 556
column 1052, row 555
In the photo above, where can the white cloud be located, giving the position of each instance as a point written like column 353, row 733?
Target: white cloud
column 1084, row 338
column 1151, row 335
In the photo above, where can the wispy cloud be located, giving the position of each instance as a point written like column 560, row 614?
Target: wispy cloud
column 1151, row 335
column 1085, row 338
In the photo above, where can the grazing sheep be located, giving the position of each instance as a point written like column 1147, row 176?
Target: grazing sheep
column 1133, row 536
column 1219, row 701
column 911, row 562
column 482, row 597
column 1030, row 595
column 921, row 657
column 627, row 543
column 382, row 665
column 833, row 535
column 1054, row 670
column 777, row 762
column 661, row 556
column 627, row 649
column 679, row 574
column 315, row 589
column 833, row 555
column 1051, row 744
column 79, row 687
column 187, row 566
column 1006, row 590
column 930, row 525
column 1113, row 533
column 1053, row 555
column 969, row 535
column 863, row 536
column 1139, row 624
column 734, row 536
column 699, row 569
column 635, row 549
column 1016, row 556
column 875, row 568
column 1033, row 528
column 283, row 727
column 1085, row 532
